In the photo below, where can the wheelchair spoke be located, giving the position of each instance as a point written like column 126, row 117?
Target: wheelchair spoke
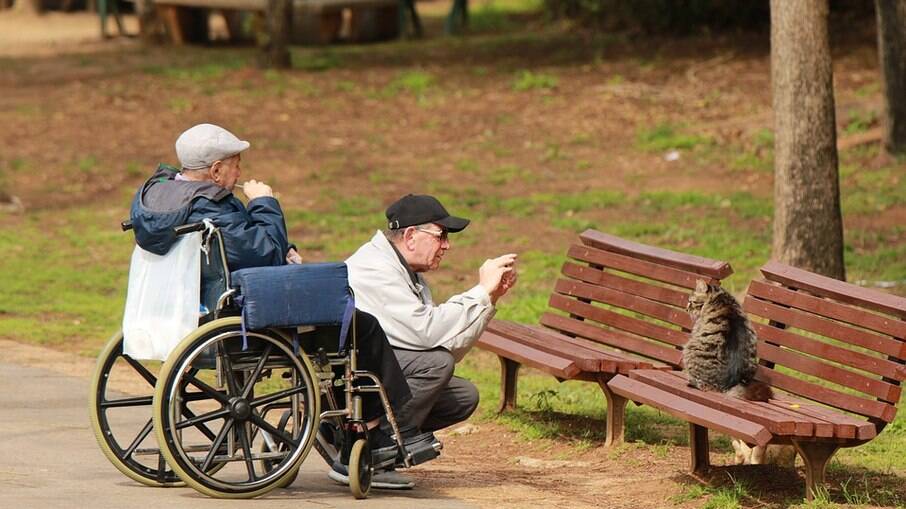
column 138, row 439
column 127, row 402
column 200, row 426
column 232, row 388
column 273, row 431
column 247, row 451
column 276, row 396
column 197, row 420
column 143, row 371
column 215, row 445
column 250, row 383
column 207, row 389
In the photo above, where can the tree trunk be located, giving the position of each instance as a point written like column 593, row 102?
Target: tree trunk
column 808, row 226
column 32, row 6
column 275, row 41
column 892, row 55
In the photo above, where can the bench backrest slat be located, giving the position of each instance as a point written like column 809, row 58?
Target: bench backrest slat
column 866, row 362
column 623, row 300
column 615, row 339
column 714, row 269
column 628, row 296
column 829, row 309
column 826, row 395
column 844, row 377
column 618, row 321
column 631, row 265
column 635, row 287
column 821, row 328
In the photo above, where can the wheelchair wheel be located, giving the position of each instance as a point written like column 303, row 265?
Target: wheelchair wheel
column 250, row 385
column 360, row 469
column 122, row 424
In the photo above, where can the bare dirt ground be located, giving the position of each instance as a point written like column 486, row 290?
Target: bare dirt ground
column 61, row 108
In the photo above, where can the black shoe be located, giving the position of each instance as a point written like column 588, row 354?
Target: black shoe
column 385, row 452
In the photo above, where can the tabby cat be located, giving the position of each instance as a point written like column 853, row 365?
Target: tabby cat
column 720, row 354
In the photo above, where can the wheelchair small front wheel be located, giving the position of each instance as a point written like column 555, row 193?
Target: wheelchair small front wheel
column 250, row 383
column 360, row 469
column 120, row 401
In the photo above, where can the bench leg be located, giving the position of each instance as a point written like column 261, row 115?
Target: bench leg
column 616, row 412
column 698, row 445
column 815, row 455
column 509, row 375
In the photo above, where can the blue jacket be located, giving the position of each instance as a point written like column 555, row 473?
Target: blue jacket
column 255, row 236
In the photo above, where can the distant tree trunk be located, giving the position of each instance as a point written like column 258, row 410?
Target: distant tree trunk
column 32, row 6
column 808, row 226
column 892, row 54
column 275, row 42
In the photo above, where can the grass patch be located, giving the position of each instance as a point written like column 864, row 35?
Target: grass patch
column 528, row 80
column 667, row 136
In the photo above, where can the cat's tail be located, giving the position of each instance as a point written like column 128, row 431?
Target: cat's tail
column 753, row 391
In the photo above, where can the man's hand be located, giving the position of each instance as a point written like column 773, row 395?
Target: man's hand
column 498, row 275
column 293, row 257
column 254, row 189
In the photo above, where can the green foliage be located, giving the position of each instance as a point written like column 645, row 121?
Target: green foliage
column 666, row 136
column 323, row 60
column 860, row 121
column 528, row 80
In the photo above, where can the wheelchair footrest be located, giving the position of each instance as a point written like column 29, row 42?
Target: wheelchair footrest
column 424, row 450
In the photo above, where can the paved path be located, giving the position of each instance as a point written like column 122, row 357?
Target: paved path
column 49, row 458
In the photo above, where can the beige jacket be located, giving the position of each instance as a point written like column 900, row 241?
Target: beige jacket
column 406, row 310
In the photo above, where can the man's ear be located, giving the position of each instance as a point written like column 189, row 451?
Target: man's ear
column 216, row 171
column 408, row 235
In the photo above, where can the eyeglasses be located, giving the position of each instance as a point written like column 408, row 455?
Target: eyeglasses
column 442, row 235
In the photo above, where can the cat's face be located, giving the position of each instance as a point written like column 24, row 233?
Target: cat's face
column 698, row 297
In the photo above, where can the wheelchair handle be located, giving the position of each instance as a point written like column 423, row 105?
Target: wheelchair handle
column 179, row 230
column 189, row 228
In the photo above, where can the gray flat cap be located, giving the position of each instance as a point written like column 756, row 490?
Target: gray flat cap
column 203, row 144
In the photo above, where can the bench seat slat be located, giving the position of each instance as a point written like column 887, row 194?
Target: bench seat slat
column 615, row 339
column 586, row 358
column 617, row 298
column 846, row 426
column 839, row 290
column 848, row 402
column 828, row 309
column 712, row 268
column 544, row 361
column 814, row 367
column 858, row 360
column 777, row 423
column 690, row 411
column 634, row 266
column 618, row 321
column 663, row 294
column 823, row 326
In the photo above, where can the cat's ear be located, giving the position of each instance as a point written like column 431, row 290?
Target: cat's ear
column 701, row 286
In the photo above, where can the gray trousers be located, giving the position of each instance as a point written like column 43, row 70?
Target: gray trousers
column 439, row 399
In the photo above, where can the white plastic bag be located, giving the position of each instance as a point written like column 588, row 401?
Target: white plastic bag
column 163, row 298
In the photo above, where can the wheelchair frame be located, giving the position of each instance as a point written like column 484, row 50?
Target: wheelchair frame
column 184, row 406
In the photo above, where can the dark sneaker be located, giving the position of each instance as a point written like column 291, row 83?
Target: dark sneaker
column 386, row 480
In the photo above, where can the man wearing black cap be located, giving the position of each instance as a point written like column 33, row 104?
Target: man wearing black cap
column 428, row 338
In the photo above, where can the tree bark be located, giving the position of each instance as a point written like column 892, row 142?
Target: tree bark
column 808, row 226
column 891, row 16
column 32, row 6
column 275, row 41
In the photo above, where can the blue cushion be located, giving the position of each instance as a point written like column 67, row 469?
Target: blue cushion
column 291, row 295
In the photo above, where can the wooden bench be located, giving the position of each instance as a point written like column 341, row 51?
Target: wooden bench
column 834, row 354
column 620, row 307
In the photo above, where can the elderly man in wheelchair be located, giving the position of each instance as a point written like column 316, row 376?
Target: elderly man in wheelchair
column 263, row 357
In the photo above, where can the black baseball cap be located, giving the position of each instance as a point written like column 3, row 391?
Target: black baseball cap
column 416, row 209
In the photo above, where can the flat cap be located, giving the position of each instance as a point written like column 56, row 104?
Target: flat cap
column 199, row 146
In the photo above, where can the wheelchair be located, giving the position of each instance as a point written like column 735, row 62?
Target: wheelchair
column 231, row 412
